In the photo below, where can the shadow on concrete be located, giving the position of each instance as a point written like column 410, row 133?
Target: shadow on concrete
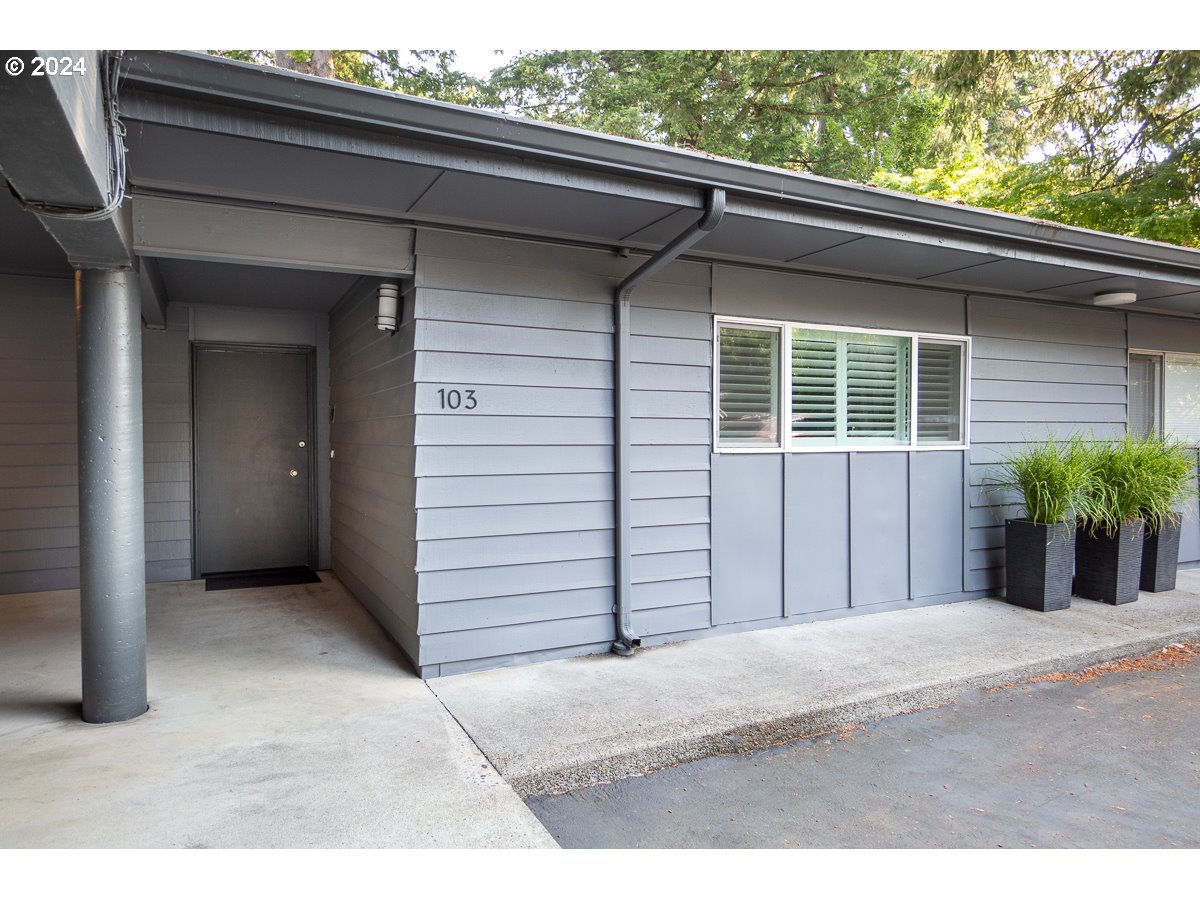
column 288, row 628
column 46, row 710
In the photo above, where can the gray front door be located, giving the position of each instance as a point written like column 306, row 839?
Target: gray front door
column 254, row 458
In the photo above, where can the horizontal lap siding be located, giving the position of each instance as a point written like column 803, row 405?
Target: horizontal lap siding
column 372, row 487
column 39, row 480
column 39, row 475
column 39, row 454
column 167, row 417
column 515, row 495
column 1038, row 371
column 670, row 457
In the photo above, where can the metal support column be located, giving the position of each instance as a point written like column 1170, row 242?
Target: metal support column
column 112, row 549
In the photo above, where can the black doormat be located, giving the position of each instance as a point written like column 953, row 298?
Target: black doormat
column 260, row 578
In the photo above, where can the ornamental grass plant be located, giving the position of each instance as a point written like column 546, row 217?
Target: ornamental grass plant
column 1135, row 478
column 1171, row 480
column 1053, row 478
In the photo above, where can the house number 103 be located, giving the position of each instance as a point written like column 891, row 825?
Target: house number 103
column 456, row 399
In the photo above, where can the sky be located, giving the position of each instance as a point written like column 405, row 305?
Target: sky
column 552, row 24
column 481, row 62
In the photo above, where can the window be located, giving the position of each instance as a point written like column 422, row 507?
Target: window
column 1164, row 395
column 853, row 389
column 748, row 375
column 1145, row 394
column 940, row 392
column 1181, row 397
column 849, row 388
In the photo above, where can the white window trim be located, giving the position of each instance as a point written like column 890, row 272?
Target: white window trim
column 784, row 400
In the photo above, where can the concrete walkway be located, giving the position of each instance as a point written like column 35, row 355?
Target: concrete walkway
column 280, row 717
column 556, row 726
column 283, row 717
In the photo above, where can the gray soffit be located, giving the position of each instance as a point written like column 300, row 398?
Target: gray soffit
column 26, row 247
column 253, row 235
column 54, row 149
column 224, row 284
column 208, row 127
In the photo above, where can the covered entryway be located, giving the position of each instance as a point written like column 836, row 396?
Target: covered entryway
column 164, row 373
column 254, row 473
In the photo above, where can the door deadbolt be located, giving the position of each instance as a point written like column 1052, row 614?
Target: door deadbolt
column 302, row 443
column 293, row 473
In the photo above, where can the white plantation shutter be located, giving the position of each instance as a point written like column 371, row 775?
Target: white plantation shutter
column 877, row 383
column 749, row 386
column 939, row 393
column 849, row 388
column 814, row 384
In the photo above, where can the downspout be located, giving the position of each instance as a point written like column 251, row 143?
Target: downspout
column 714, row 209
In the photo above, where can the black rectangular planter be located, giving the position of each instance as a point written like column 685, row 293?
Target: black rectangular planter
column 1109, row 567
column 1039, row 560
column 1160, row 557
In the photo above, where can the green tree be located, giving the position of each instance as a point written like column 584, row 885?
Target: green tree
column 843, row 114
column 1100, row 139
column 422, row 73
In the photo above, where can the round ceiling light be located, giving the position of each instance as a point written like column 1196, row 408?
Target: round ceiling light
column 1115, row 298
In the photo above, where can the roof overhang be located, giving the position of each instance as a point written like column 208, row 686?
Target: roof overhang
column 203, row 129
column 54, row 151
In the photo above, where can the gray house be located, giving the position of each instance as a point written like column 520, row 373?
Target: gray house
column 633, row 395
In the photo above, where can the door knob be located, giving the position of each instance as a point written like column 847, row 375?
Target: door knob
column 293, row 473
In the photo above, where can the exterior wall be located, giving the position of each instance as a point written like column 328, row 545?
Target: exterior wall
column 1038, row 370
column 1181, row 336
column 811, row 535
column 670, row 350
column 167, row 436
column 514, row 496
column 372, row 488
column 39, row 484
column 39, row 476
column 482, row 536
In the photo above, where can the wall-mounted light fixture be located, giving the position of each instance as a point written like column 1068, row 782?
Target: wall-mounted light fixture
column 1115, row 298
column 389, row 306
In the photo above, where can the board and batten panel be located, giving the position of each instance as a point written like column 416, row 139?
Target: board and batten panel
column 936, row 522
column 856, row 528
column 816, row 532
column 514, row 487
column 372, row 486
column 747, row 554
column 879, row 523
column 1038, row 371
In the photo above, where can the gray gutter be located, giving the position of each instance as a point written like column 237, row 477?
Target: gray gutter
column 279, row 91
column 714, row 209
